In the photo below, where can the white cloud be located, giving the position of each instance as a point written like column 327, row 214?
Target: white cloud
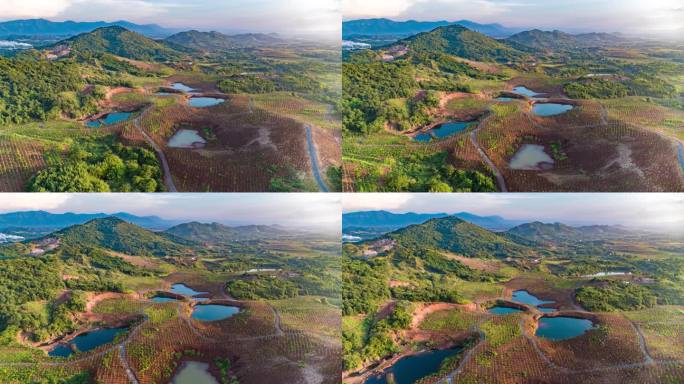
column 31, row 201
column 10, row 9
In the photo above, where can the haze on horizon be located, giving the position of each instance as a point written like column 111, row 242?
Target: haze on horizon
column 658, row 211
column 298, row 210
column 320, row 18
column 647, row 17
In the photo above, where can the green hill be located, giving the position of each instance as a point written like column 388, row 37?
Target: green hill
column 460, row 41
column 560, row 233
column 216, row 41
column 218, row 233
column 117, row 235
column 458, row 236
column 120, row 42
column 557, row 40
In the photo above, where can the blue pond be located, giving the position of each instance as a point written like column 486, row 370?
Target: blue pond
column 501, row 310
column 109, row 119
column 88, row 341
column 562, row 328
column 522, row 296
column 520, row 90
column 203, row 102
column 550, row 109
column 410, row 369
column 182, row 289
column 213, row 312
column 505, row 99
column 444, row 130
column 680, row 155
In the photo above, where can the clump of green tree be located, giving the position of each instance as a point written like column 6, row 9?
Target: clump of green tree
column 99, row 166
column 432, row 172
column 262, row 287
column 40, row 90
column 246, row 84
column 640, row 85
column 378, row 342
column 364, row 284
column 616, row 296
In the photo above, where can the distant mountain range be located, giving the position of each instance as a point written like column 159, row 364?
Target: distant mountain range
column 55, row 221
column 379, row 27
column 367, row 224
column 42, row 27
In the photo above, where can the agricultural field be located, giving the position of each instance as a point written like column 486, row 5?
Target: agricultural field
column 454, row 110
column 137, row 306
column 221, row 119
column 448, row 301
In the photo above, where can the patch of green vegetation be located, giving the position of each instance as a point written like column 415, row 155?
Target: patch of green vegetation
column 432, row 172
column 615, row 296
column 99, row 165
column 501, row 331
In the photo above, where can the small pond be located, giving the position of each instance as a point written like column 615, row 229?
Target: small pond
column 680, row 155
column 182, row 289
column 109, row 119
column 444, row 130
column 522, row 296
column 194, row 372
column 88, row 341
column 410, row 369
column 520, row 90
column 186, row 138
column 504, row 99
column 182, row 87
column 531, row 157
column 501, row 310
column 213, row 312
column 562, row 328
column 162, row 299
column 550, row 109
column 203, row 102
column 165, row 94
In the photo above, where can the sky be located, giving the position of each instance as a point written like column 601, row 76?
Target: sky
column 292, row 17
column 661, row 17
column 301, row 210
column 640, row 210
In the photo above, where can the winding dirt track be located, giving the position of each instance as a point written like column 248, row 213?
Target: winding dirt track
column 168, row 180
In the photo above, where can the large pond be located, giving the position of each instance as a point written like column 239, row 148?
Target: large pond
column 531, row 157
column 550, row 109
column 501, row 310
column 87, row 341
column 410, row 369
column 194, row 372
column 680, row 155
column 182, row 289
column 213, row 312
column 182, row 87
column 109, row 119
column 444, row 130
column 186, row 138
column 562, row 328
column 520, row 90
column 203, row 102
